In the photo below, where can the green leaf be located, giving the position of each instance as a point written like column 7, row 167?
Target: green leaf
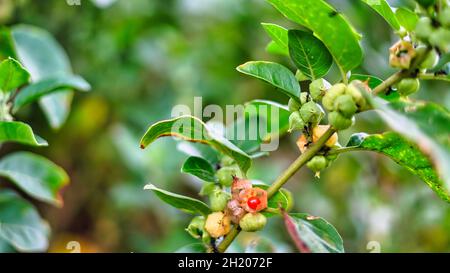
column 6, row 44
column 275, row 74
column 407, row 18
column 35, row 175
column 184, row 203
column 425, row 124
column 20, row 224
column 44, row 87
column 403, row 152
column 328, row 25
column 279, row 37
column 309, row 54
column 15, row 131
column 382, row 8
column 12, row 75
column 193, row 129
column 43, row 57
column 313, row 234
column 275, row 49
column 200, row 168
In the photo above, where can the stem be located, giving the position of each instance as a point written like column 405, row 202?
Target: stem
column 299, row 162
column 430, row 76
column 393, row 79
column 282, row 179
column 228, row 239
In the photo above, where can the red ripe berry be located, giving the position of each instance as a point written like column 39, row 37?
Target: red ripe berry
column 253, row 202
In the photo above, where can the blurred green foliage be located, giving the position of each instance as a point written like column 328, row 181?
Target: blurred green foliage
column 144, row 56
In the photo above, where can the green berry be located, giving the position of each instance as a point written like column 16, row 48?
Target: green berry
column 345, row 105
column 300, row 76
column 310, row 112
column 332, row 93
column 218, row 200
column 407, row 87
column 252, row 222
column 354, row 90
column 424, row 28
column 296, row 122
column 317, row 163
column 338, row 121
column 303, row 98
column 431, row 59
column 227, row 161
column 317, row 88
column 196, row 227
column 293, row 105
column 441, row 39
column 444, row 17
column 225, row 175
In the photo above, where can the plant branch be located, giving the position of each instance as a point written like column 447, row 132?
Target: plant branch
column 282, row 179
column 431, row 76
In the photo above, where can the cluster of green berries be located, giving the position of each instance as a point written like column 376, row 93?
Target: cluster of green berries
column 343, row 102
column 305, row 111
column 435, row 30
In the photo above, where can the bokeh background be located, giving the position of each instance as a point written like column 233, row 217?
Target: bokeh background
column 144, row 56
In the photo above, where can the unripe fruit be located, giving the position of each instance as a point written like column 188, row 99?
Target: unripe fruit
column 355, row 89
column 293, row 105
column 444, row 17
column 332, row 93
column 319, row 130
column 317, row 163
column 441, row 39
column 300, row 76
column 196, row 227
column 225, row 175
column 310, row 112
column 317, row 88
column 218, row 224
column 218, row 200
column 235, row 211
column 296, row 122
column 431, row 60
column 424, row 28
column 338, row 121
column 303, row 98
column 253, row 222
column 407, row 87
column 345, row 105
column 227, row 161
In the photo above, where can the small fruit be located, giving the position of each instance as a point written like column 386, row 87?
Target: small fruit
column 218, row 200
column 303, row 98
column 235, row 211
column 296, row 122
column 338, row 121
column 441, row 39
column 317, row 88
column 253, row 200
column 345, row 105
column 196, row 227
column 426, row 3
column 424, row 28
column 227, row 161
column 332, row 93
column 319, row 130
column 355, row 89
column 401, row 54
column 407, row 87
column 302, row 143
column 293, row 105
column 218, row 224
column 444, row 17
column 317, row 163
column 253, row 222
column 310, row 112
column 431, row 60
column 225, row 175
